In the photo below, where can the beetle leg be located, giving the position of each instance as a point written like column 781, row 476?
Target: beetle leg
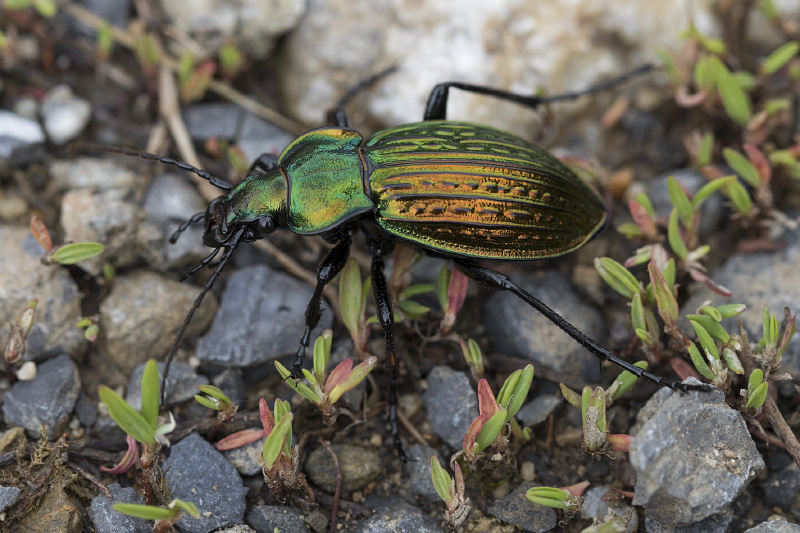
column 329, row 268
column 383, row 305
column 338, row 117
column 436, row 108
column 496, row 280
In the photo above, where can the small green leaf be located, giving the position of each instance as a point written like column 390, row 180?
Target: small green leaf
column 674, row 236
column 637, row 313
column 735, row 101
column 350, row 296
column 188, row 507
column 732, row 360
column 416, row 290
column 698, row 361
column 513, row 396
column 627, row 380
column 298, row 386
column 151, row 392
column 667, row 305
column 710, row 188
column 743, row 167
column 354, row 377
column 274, row 444
column 214, row 392
column 126, row 417
column 705, row 151
column 441, row 480
column 739, row 197
column 617, row 276
column 759, row 396
column 205, row 401
column 491, row 429
column 731, row 310
column 69, row 254
column 779, row 58
column 46, row 8
column 412, row 309
column 570, row 396
column 147, row 512
column 756, row 378
column 549, row 497
column 322, row 355
column 706, row 342
column 681, row 202
column 713, row 312
column 712, row 326
column 442, row 284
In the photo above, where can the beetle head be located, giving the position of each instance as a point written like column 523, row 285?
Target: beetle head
column 257, row 206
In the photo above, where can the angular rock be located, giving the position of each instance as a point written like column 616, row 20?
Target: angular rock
column 21, row 141
column 272, row 517
column 451, row 404
column 261, row 317
column 358, row 467
column 692, row 458
column 394, row 514
column 139, row 318
column 198, row 473
column 22, row 278
column 106, row 520
column 47, row 401
column 518, row 330
column 519, row 511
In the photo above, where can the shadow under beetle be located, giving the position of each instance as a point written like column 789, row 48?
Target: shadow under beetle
column 457, row 190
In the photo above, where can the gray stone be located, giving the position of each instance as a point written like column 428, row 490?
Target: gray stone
column 717, row 523
column 169, row 201
column 774, row 526
column 358, row 465
column 418, row 470
column 21, row 141
column 113, row 218
column 8, row 497
column 47, row 400
column 252, row 25
column 518, row 330
column 451, row 404
column 782, row 488
column 64, row 115
column 261, row 318
column 106, row 520
column 395, row 515
column 215, row 120
column 83, row 172
column 139, row 318
column 517, row 510
column 269, row 517
column 23, row 277
column 257, row 136
column 692, row 458
column 198, row 473
column 509, row 45
column 181, row 385
column 537, row 410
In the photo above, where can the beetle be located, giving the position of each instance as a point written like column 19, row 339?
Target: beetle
column 457, row 190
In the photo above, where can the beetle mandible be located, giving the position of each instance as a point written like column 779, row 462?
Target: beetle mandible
column 458, row 190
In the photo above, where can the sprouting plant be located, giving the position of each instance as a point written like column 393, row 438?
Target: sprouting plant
column 17, row 338
column 324, row 389
column 494, row 414
column 281, row 460
column 451, row 288
column 215, row 399
column 66, row 254
column 556, row 498
column 145, row 426
column 452, row 492
column 91, row 327
column 164, row 517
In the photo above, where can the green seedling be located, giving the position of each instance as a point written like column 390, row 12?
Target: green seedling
column 17, row 337
column 325, row 390
column 555, row 498
column 164, row 517
column 756, row 393
column 473, row 356
column 452, row 492
column 281, row 460
column 451, row 289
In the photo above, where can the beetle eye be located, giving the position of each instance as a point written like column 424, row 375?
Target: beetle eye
column 265, row 225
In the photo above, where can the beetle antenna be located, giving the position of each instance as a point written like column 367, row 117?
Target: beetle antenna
column 207, row 287
column 206, row 260
column 197, row 217
column 213, row 180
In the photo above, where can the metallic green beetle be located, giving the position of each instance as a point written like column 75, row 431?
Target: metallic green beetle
column 458, row 190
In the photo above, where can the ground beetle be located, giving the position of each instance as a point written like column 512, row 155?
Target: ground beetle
column 457, row 190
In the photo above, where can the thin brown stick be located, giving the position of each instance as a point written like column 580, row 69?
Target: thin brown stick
column 337, row 493
column 411, row 429
column 93, row 480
